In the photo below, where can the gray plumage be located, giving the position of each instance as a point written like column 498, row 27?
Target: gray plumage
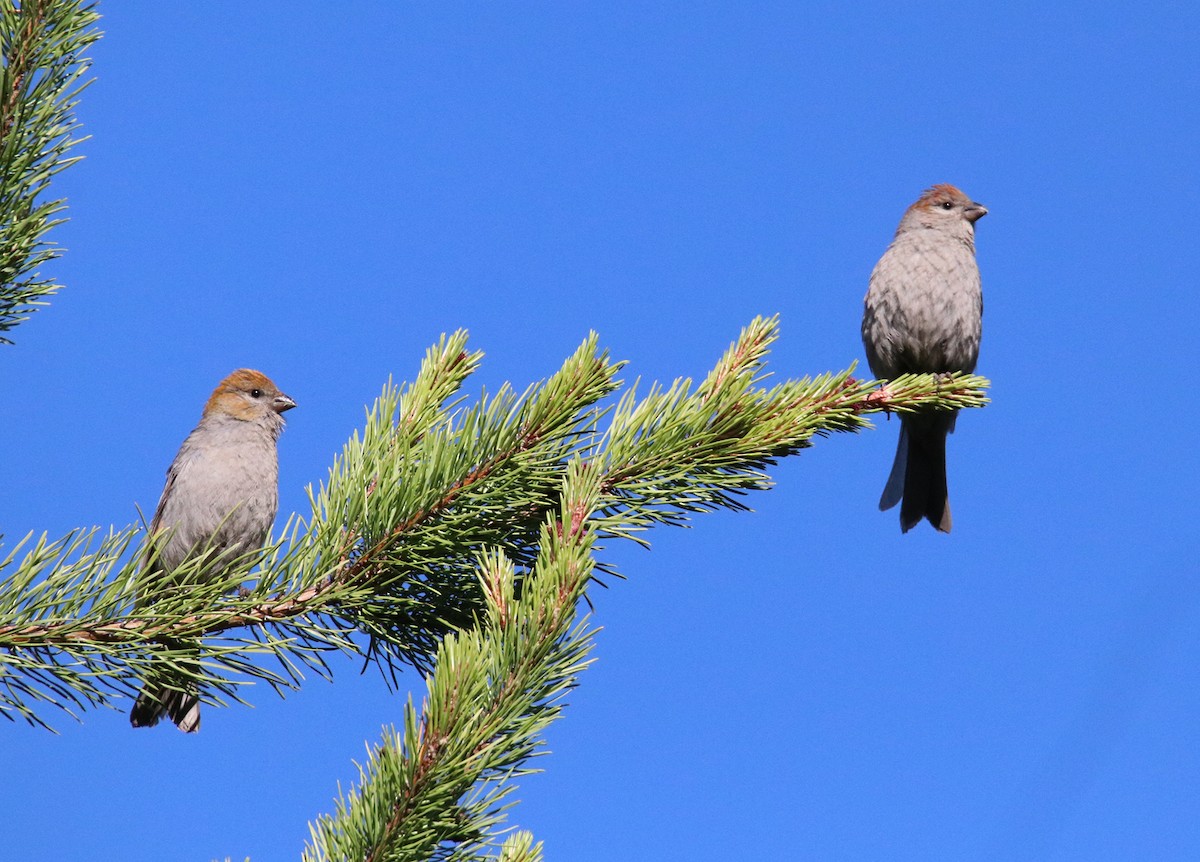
column 923, row 314
column 221, row 496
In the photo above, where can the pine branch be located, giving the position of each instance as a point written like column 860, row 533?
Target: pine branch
column 678, row 451
column 437, row 789
column 390, row 546
column 459, row 539
column 43, row 45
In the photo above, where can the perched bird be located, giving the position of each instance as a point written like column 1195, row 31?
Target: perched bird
column 221, row 496
column 923, row 315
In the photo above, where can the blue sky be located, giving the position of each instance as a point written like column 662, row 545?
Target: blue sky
column 320, row 193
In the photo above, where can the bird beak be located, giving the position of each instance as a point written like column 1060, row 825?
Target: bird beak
column 282, row 402
column 974, row 212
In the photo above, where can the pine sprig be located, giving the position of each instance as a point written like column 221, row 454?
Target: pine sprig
column 43, row 45
column 519, row 847
column 437, row 789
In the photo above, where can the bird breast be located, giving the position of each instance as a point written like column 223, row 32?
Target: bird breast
column 924, row 306
column 224, row 490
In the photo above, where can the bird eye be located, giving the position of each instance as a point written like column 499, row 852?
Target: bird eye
column 948, row 205
column 256, row 393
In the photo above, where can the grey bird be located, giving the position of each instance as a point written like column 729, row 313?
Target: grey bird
column 221, row 496
column 923, row 314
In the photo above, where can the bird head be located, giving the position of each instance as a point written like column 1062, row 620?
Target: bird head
column 247, row 395
column 944, row 207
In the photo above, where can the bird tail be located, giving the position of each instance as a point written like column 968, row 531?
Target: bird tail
column 894, row 489
column 166, row 694
column 154, row 701
column 918, row 477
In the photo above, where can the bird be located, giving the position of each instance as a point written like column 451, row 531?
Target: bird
column 220, row 500
column 923, row 314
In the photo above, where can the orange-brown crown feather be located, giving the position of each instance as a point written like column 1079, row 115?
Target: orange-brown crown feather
column 939, row 194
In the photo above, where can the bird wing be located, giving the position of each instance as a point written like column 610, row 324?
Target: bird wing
column 172, row 474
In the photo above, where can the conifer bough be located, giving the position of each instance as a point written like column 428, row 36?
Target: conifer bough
column 42, row 76
column 385, row 563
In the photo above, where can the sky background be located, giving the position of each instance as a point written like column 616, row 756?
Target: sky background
column 320, row 192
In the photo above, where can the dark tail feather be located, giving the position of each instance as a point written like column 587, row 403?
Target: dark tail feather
column 894, row 489
column 925, row 492
column 182, row 707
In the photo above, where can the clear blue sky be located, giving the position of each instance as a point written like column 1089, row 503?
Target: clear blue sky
column 320, row 191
